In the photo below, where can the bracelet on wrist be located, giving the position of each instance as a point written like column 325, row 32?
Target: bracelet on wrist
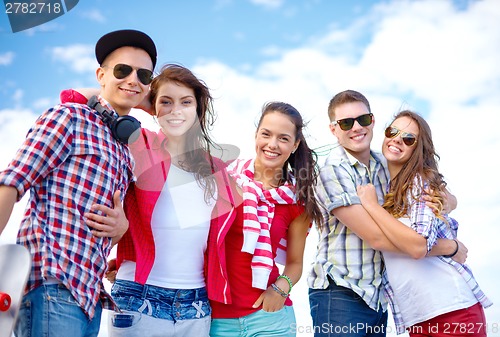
column 290, row 284
column 455, row 252
column 279, row 290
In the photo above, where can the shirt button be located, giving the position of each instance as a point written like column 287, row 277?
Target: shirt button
column 177, row 304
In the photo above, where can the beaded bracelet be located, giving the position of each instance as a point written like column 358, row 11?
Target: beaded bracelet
column 288, row 280
column 279, row 290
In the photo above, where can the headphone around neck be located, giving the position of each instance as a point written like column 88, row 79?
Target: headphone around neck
column 123, row 128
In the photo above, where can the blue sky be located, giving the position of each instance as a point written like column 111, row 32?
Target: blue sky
column 438, row 57
column 241, row 34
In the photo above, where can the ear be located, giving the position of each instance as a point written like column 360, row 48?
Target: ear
column 332, row 128
column 296, row 145
column 99, row 74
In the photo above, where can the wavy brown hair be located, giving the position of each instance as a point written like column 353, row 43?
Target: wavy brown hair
column 197, row 153
column 302, row 163
column 422, row 167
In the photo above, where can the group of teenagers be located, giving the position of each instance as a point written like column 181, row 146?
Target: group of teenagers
column 199, row 238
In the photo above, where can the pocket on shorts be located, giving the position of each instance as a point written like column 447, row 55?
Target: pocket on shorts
column 125, row 319
column 272, row 312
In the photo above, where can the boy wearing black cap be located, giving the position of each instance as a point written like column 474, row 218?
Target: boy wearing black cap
column 71, row 159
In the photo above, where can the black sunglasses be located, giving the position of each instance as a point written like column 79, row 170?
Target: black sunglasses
column 346, row 124
column 408, row 138
column 120, row 71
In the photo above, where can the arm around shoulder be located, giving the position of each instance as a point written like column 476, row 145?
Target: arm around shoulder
column 358, row 220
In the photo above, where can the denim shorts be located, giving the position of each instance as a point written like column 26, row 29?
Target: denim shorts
column 261, row 323
column 51, row 310
column 174, row 305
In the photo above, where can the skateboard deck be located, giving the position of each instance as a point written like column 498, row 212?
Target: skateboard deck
column 15, row 263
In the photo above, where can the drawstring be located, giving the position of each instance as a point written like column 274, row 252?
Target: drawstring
column 146, row 304
column 198, row 307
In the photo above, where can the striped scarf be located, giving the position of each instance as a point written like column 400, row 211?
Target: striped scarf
column 258, row 214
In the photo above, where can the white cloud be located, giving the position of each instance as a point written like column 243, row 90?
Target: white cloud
column 435, row 50
column 423, row 54
column 48, row 27
column 18, row 95
column 271, row 51
column 6, row 58
column 79, row 57
column 94, row 15
column 271, row 4
column 43, row 103
column 415, row 52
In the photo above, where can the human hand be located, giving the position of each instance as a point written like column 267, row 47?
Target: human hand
column 146, row 105
column 270, row 300
column 367, row 194
column 461, row 255
column 112, row 271
column 112, row 224
column 449, row 201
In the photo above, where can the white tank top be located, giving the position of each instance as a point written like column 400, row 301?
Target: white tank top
column 426, row 288
column 180, row 224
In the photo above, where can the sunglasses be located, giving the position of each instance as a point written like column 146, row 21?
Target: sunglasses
column 408, row 138
column 346, row 124
column 120, row 71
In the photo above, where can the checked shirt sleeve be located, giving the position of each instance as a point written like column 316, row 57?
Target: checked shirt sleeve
column 47, row 145
column 423, row 220
column 337, row 187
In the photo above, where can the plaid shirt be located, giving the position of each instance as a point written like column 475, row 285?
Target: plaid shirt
column 342, row 255
column 68, row 162
column 425, row 223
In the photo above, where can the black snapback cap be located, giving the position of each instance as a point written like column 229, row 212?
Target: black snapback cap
column 122, row 38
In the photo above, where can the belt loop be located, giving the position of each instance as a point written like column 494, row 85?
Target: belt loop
column 144, row 291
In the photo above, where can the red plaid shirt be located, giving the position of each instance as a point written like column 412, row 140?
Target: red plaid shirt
column 68, row 162
column 152, row 167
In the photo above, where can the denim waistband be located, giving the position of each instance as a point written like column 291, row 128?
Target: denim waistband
column 166, row 303
column 150, row 292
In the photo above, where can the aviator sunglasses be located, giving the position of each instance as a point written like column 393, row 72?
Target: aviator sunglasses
column 346, row 124
column 408, row 138
column 120, row 71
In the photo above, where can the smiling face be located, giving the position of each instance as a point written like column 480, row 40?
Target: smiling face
column 274, row 141
column 357, row 140
column 126, row 93
column 175, row 108
column 394, row 149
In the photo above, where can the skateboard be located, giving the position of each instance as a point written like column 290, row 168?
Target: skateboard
column 15, row 264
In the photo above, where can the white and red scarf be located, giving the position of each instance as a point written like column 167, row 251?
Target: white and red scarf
column 258, row 214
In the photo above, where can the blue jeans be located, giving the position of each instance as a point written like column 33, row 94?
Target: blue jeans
column 51, row 310
column 148, row 309
column 339, row 311
column 261, row 323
